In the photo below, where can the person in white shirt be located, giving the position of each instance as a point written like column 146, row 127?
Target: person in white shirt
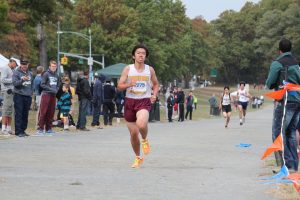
column 141, row 85
column 7, row 94
column 225, row 105
column 243, row 98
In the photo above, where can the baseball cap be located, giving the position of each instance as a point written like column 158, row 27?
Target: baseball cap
column 24, row 61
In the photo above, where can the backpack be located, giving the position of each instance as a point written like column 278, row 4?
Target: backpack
column 40, row 89
column 285, row 61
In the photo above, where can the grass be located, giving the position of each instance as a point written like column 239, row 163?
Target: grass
column 203, row 107
column 202, row 112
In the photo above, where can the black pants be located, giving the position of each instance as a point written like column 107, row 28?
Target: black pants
column 211, row 110
column 22, row 105
column 181, row 112
column 189, row 110
column 170, row 113
column 119, row 110
column 108, row 111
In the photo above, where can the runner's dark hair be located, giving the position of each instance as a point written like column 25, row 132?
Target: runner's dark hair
column 140, row 46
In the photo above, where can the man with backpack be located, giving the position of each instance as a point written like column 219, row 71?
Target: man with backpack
column 37, row 90
column 286, row 69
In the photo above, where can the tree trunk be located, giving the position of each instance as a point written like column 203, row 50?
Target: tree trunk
column 41, row 36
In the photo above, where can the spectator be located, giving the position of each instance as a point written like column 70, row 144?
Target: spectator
column 180, row 101
column 213, row 102
column 71, row 90
column 37, row 89
column 170, row 104
column 64, row 105
column 259, row 102
column 286, row 68
column 7, row 94
column 97, row 101
column 109, row 93
column 120, row 99
column 49, row 86
column 189, row 105
column 83, row 91
column 22, row 81
column 175, row 93
column 195, row 101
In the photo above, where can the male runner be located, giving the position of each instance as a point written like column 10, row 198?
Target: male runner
column 243, row 97
column 141, row 85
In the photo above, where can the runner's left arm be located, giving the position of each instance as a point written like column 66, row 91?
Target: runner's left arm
column 155, row 84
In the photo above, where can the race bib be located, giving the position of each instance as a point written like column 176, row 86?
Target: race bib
column 139, row 88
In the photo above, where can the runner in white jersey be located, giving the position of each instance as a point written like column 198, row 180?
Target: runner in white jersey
column 243, row 97
column 225, row 105
column 141, row 85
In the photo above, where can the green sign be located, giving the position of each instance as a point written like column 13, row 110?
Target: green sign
column 213, row 73
column 80, row 61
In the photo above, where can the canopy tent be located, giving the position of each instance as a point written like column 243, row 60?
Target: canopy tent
column 112, row 71
column 3, row 61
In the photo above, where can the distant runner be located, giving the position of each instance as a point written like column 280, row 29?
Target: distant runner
column 225, row 105
column 243, row 97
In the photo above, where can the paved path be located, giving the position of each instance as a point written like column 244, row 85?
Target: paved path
column 190, row 160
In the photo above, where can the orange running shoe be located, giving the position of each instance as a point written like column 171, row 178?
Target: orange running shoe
column 137, row 162
column 146, row 147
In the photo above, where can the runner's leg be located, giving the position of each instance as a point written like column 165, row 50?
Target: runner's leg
column 142, row 122
column 134, row 137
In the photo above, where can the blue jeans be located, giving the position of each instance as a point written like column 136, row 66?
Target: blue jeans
column 83, row 110
column 96, row 113
column 289, row 131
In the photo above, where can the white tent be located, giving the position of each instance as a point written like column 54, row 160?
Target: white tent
column 3, row 61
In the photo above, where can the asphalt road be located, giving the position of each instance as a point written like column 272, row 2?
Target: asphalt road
column 189, row 160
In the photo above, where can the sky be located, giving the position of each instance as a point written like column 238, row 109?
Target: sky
column 211, row 9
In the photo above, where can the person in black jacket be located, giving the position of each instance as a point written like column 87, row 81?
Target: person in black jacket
column 120, row 99
column 170, row 104
column 189, row 105
column 180, row 101
column 109, row 93
column 83, row 90
column 97, row 100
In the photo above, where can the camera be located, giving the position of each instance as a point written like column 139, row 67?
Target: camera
column 9, row 91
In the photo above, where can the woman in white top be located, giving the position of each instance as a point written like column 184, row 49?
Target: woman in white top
column 243, row 97
column 225, row 105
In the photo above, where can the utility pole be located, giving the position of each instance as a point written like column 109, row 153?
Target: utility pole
column 58, row 39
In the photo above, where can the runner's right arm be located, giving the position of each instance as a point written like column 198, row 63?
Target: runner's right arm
column 123, row 82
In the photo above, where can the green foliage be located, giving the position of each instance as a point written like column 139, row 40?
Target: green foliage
column 240, row 45
column 4, row 25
